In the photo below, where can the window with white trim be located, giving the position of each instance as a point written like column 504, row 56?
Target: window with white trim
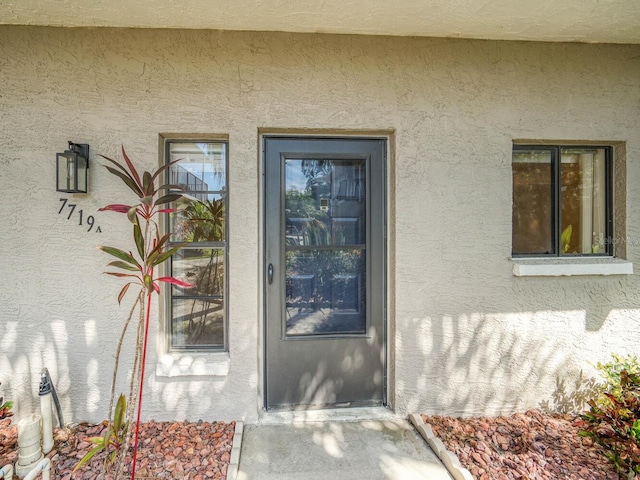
column 197, row 315
column 562, row 200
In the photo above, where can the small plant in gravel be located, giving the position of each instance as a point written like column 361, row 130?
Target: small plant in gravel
column 113, row 439
column 613, row 419
column 5, row 408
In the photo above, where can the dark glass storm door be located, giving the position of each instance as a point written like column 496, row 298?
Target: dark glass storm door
column 325, row 272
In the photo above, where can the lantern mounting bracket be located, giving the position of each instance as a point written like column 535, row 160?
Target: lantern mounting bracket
column 82, row 149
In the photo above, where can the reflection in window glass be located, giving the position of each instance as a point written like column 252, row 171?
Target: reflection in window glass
column 325, row 206
column 201, row 166
column 583, row 201
column 532, row 202
column 325, row 292
column 325, row 202
column 203, row 268
column 561, row 200
column 197, row 322
column 198, row 220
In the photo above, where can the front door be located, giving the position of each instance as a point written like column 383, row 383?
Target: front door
column 325, row 272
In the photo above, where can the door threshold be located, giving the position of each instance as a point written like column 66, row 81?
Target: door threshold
column 355, row 414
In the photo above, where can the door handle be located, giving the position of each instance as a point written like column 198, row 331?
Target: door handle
column 270, row 273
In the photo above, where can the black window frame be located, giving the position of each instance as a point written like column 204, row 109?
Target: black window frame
column 555, row 151
column 219, row 245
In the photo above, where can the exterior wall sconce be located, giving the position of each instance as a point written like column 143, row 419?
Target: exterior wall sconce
column 71, row 168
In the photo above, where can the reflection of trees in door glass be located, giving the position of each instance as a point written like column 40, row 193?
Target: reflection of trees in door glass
column 305, row 223
column 325, row 202
column 325, row 205
column 325, row 291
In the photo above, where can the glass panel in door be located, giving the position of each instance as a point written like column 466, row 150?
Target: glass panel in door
column 325, row 246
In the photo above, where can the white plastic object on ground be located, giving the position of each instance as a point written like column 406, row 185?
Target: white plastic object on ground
column 29, row 453
column 6, row 472
column 47, row 423
column 43, row 466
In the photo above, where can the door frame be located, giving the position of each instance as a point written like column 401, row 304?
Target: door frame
column 388, row 346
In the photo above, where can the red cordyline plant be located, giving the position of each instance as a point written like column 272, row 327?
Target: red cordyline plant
column 137, row 269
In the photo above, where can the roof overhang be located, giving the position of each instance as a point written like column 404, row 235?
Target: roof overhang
column 596, row 21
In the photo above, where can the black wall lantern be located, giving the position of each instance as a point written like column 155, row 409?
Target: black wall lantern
column 71, row 168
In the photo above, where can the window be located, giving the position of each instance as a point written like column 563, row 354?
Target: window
column 197, row 314
column 562, row 200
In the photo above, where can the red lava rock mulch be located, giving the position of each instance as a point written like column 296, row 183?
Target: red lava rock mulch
column 196, row 450
column 530, row 445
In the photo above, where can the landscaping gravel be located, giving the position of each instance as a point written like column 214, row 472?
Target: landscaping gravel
column 530, row 445
column 185, row 450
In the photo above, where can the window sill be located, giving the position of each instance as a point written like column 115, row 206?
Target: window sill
column 185, row 364
column 556, row 267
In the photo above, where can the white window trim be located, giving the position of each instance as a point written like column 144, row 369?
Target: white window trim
column 196, row 364
column 563, row 266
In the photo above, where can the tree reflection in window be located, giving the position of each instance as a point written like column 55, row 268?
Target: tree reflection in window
column 199, row 223
column 325, row 246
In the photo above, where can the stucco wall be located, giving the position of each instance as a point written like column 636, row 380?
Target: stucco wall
column 469, row 337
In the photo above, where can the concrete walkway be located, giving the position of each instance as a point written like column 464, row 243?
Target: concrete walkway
column 346, row 449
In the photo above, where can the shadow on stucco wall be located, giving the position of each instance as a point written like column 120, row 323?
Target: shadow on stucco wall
column 25, row 354
column 493, row 363
column 573, row 398
column 480, row 365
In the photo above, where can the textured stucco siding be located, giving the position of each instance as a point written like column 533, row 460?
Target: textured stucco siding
column 467, row 336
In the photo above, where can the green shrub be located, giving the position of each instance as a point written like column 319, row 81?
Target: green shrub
column 613, row 419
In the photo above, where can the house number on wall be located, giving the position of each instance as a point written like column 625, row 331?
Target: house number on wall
column 72, row 208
